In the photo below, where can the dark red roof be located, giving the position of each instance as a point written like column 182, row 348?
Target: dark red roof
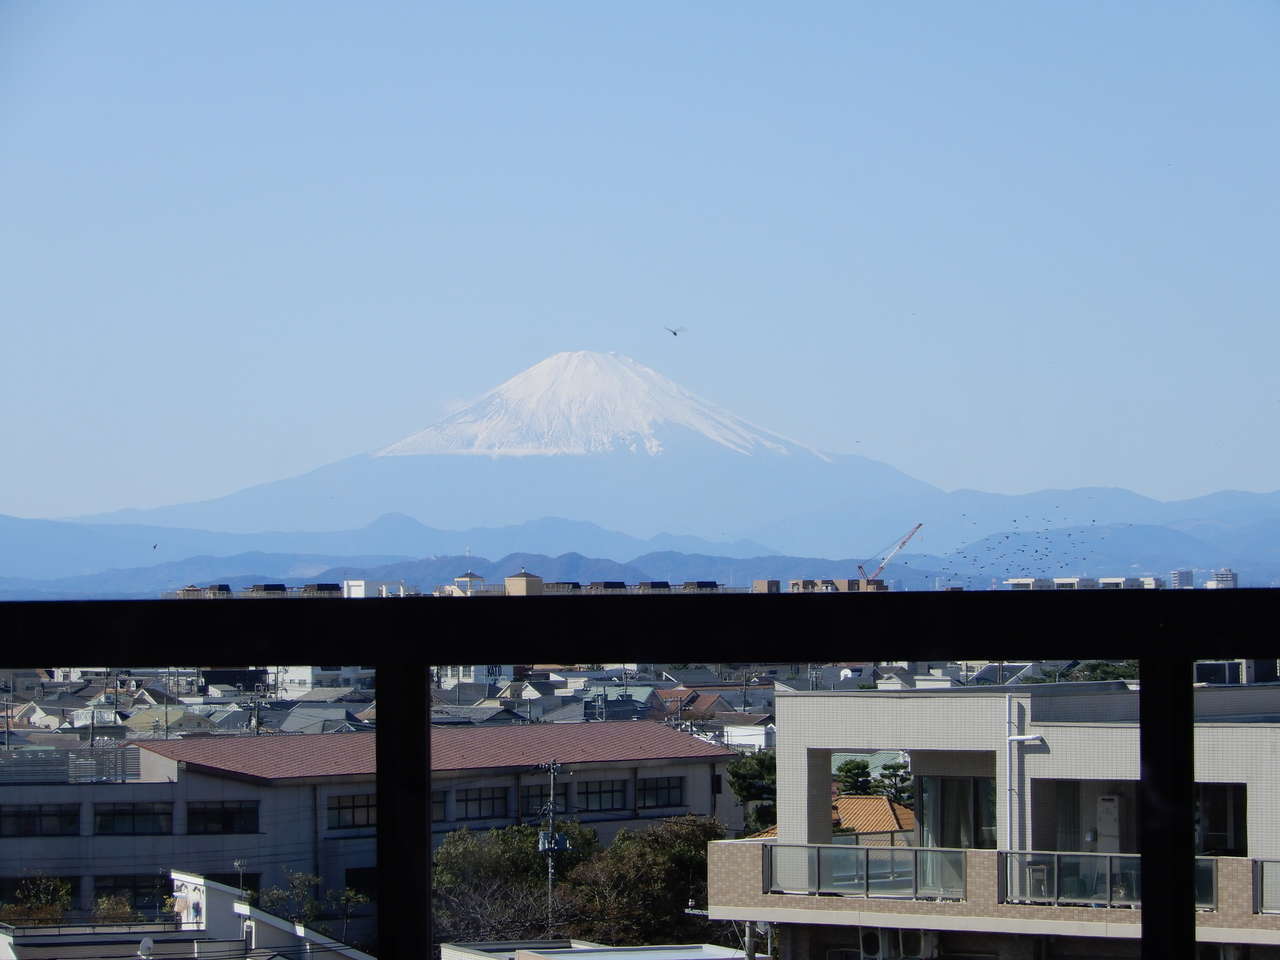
column 286, row 757
column 279, row 757
column 612, row 741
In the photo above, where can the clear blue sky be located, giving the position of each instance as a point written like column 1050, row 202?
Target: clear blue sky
column 998, row 245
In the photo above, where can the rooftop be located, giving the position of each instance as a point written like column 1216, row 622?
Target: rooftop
column 296, row 756
column 608, row 741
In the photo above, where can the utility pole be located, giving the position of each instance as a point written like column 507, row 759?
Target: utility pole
column 550, row 841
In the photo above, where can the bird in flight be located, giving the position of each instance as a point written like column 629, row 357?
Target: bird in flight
column 675, row 332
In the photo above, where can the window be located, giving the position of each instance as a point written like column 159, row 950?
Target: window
column 958, row 811
column 1220, row 819
column 137, row 818
column 222, row 816
column 437, row 805
column 40, row 820
column 363, row 880
column 360, row 810
column 142, row 891
column 660, row 792
column 533, row 799
column 602, row 795
column 481, row 803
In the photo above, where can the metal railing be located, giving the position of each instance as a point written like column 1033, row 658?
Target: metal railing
column 1091, row 879
column 901, row 873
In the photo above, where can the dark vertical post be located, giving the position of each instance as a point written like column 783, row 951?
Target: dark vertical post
column 404, row 833
column 1167, row 739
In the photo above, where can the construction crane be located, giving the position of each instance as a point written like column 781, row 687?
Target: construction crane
column 890, row 555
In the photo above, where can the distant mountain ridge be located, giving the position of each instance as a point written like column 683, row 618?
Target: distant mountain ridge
column 623, row 453
column 1094, row 550
column 47, row 549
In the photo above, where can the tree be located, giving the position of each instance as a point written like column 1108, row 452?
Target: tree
column 40, row 899
column 343, row 903
column 297, row 900
column 113, row 908
column 895, row 783
column 492, row 884
column 753, row 778
column 854, row 777
column 638, row 890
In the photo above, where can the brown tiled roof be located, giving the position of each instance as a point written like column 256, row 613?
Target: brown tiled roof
column 674, row 694
column 280, row 757
column 615, row 741
column 860, row 814
column 872, row 814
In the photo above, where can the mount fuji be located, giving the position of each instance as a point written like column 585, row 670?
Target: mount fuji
column 583, row 435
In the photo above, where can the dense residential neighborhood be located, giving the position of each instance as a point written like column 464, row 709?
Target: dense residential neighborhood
column 890, row 809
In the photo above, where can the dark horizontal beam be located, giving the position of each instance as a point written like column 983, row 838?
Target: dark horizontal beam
column 731, row 627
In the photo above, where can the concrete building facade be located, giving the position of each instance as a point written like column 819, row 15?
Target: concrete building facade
column 1027, row 830
column 301, row 803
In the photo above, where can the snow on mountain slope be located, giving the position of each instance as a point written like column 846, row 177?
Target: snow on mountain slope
column 586, row 403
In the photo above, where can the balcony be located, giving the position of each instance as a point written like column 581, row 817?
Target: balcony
column 895, row 873
column 1074, row 894
column 1091, row 879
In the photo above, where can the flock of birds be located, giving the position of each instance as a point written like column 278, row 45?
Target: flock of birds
column 1048, row 546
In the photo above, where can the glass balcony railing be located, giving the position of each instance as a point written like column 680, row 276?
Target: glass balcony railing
column 1091, row 879
column 902, row 873
column 1266, row 884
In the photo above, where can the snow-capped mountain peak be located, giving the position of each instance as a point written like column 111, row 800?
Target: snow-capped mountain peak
column 586, row 403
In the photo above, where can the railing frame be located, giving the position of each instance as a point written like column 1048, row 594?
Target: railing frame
column 1055, row 898
column 814, row 883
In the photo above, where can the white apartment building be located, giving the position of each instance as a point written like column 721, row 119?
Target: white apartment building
column 448, row 677
column 1027, row 827
column 297, row 680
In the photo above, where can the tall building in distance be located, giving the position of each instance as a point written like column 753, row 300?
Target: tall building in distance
column 1224, row 579
column 1182, row 580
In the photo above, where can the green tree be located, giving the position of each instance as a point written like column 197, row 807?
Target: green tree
column 753, row 778
column 895, row 783
column 638, row 890
column 113, row 908
column 40, row 899
column 342, row 903
column 854, row 777
column 492, row 884
column 297, row 900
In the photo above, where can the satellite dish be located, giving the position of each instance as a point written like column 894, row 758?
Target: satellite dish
column 846, row 673
column 146, row 947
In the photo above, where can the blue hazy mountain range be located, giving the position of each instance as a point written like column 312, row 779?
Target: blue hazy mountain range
column 621, row 452
column 1093, row 550
column 47, row 549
